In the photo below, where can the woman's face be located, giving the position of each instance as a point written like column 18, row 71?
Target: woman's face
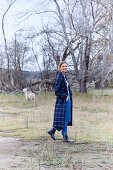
column 63, row 68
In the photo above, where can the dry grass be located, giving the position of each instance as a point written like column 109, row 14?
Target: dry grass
column 92, row 117
column 92, row 128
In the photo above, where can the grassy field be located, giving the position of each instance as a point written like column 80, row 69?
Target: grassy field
column 92, row 130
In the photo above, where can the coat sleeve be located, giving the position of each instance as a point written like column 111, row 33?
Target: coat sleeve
column 58, row 88
column 70, row 92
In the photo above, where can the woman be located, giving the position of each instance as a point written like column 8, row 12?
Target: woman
column 63, row 106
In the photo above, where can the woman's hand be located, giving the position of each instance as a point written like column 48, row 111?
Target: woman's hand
column 67, row 98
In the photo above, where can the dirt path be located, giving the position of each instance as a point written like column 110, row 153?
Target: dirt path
column 45, row 154
column 12, row 153
column 8, row 147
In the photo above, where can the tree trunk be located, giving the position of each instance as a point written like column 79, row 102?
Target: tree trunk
column 82, row 86
column 98, row 85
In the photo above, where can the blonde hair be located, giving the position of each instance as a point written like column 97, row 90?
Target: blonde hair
column 62, row 62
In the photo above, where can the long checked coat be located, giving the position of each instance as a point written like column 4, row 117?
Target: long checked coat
column 60, row 107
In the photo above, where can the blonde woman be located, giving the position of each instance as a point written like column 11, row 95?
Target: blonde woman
column 63, row 106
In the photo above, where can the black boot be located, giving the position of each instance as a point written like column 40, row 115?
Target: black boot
column 67, row 139
column 51, row 132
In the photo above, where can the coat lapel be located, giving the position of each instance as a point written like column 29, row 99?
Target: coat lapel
column 64, row 80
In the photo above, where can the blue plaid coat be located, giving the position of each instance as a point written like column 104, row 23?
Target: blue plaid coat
column 60, row 106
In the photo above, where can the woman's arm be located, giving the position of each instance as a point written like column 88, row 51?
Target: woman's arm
column 59, row 89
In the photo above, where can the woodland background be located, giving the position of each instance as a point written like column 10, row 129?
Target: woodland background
column 80, row 32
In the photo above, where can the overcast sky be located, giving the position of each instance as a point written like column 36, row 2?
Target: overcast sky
column 13, row 21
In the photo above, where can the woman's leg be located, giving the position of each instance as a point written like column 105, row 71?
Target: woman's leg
column 67, row 120
column 64, row 130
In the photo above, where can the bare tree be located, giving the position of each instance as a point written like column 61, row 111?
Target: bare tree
column 11, row 3
column 82, row 19
column 101, row 63
column 19, row 57
column 79, row 32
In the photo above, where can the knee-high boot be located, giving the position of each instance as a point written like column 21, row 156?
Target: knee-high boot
column 67, row 139
column 51, row 132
